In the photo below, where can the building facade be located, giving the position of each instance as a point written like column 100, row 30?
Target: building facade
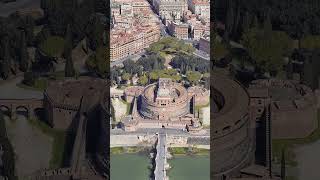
column 179, row 30
column 204, row 44
column 170, row 9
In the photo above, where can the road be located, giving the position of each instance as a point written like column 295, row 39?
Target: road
column 33, row 148
column 8, row 8
column 202, row 55
column 10, row 90
column 133, row 57
column 144, row 131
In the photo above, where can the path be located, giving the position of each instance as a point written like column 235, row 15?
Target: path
column 32, row 148
column 8, row 8
column 161, row 158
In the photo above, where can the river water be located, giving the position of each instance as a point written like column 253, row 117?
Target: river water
column 129, row 166
column 189, row 168
column 136, row 167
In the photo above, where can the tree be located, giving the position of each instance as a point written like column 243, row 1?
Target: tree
column 6, row 62
column 24, row 59
column 97, row 63
column 95, row 31
column 68, row 42
column 153, row 76
column 29, row 79
column 193, row 77
column 126, row 77
column 69, row 70
column 267, row 49
column 143, row 80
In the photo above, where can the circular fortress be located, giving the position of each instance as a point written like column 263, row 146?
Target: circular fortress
column 163, row 104
column 231, row 132
column 164, row 100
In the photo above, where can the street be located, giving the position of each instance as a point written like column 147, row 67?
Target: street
column 144, row 131
column 7, row 8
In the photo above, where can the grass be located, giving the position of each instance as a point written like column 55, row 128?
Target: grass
column 117, row 150
column 58, row 142
column 188, row 151
column 291, row 178
column 127, row 104
column 289, row 144
column 127, row 150
column 198, row 108
column 53, row 46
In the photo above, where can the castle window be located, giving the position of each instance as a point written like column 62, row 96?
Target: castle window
column 259, row 101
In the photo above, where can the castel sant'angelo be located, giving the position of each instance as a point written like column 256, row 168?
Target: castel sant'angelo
column 245, row 120
column 165, row 104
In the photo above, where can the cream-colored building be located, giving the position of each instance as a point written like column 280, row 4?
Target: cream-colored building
column 200, row 7
column 179, row 30
column 132, row 32
column 125, row 43
column 170, row 9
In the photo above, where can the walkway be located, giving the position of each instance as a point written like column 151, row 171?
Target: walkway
column 161, row 158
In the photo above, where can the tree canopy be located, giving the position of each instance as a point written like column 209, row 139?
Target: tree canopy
column 267, row 48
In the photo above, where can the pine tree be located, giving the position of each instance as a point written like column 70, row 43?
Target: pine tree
column 68, row 42
column 155, row 65
column 6, row 64
column 24, row 59
column 69, row 68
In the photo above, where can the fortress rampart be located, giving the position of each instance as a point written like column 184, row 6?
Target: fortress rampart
column 293, row 107
column 231, row 132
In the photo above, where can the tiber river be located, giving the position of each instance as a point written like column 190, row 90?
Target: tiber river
column 136, row 167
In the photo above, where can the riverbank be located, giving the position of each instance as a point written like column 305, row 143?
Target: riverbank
column 191, row 151
column 130, row 150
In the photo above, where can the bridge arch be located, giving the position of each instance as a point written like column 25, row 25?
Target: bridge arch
column 5, row 110
column 23, row 110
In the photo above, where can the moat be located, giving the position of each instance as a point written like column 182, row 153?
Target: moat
column 136, row 167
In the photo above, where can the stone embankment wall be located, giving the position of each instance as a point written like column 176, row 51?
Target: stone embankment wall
column 172, row 140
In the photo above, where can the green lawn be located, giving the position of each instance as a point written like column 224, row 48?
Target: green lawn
column 53, row 46
column 58, row 142
column 186, row 150
column 128, row 150
column 129, row 106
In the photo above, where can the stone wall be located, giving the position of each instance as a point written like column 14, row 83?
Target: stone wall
column 172, row 140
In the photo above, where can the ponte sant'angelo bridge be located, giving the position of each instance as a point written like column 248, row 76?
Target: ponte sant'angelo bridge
column 161, row 163
column 11, row 106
